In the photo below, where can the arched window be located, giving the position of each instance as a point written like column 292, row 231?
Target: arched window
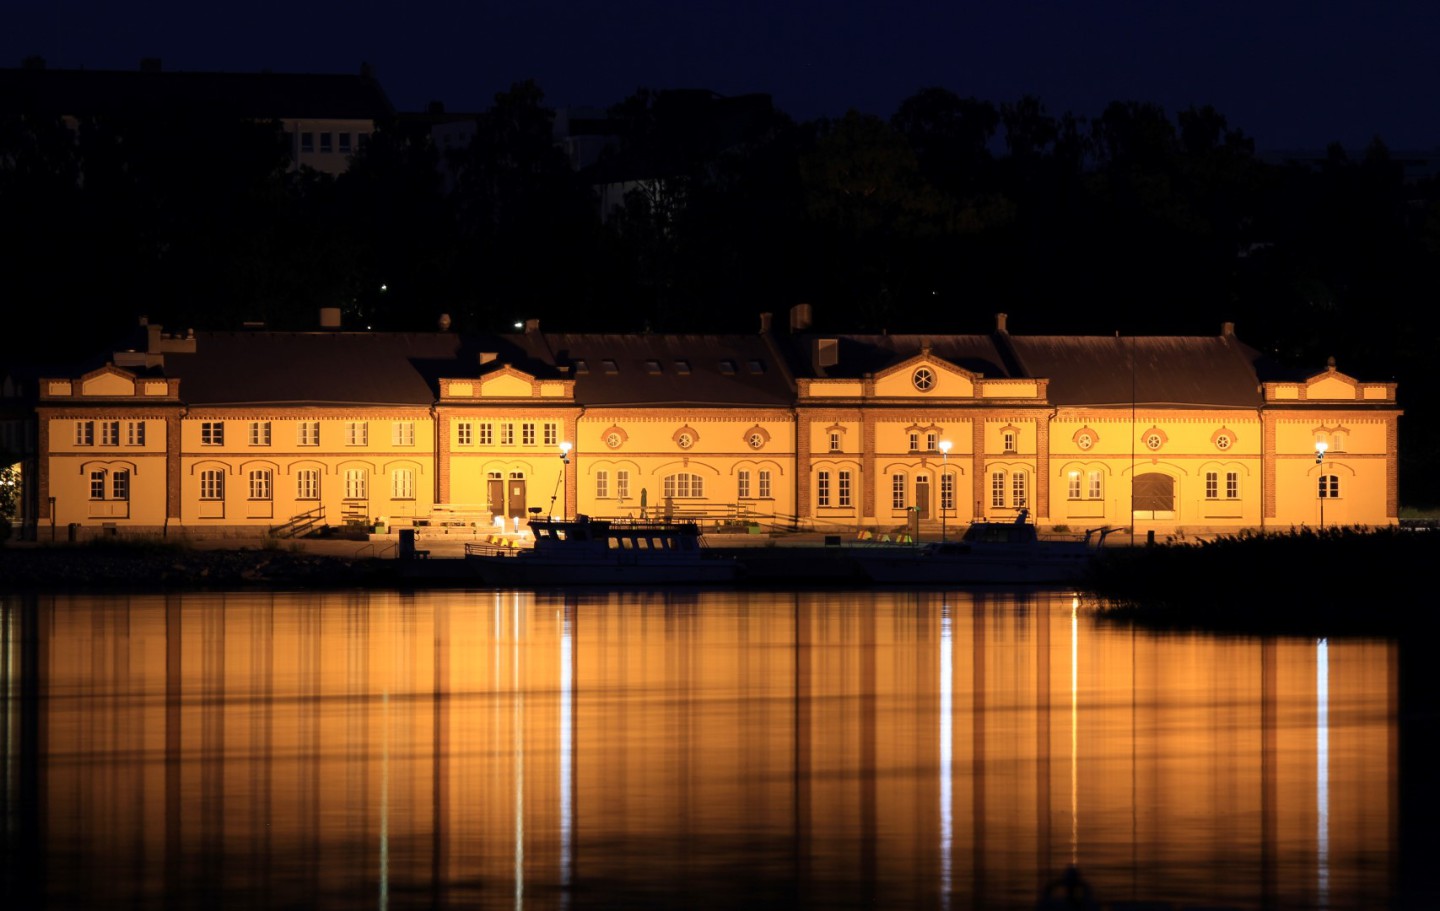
column 679, row 486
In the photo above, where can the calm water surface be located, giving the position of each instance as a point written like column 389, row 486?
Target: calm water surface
column 680, row 750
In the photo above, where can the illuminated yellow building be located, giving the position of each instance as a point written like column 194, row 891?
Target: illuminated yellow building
column 244, row 433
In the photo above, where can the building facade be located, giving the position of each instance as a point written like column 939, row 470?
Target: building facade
column 251, row 433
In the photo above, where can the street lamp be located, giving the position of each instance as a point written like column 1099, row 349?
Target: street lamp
column 564, row 470
column 944, row 464
column 1322, row 489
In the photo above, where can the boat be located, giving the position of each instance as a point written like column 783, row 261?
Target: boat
column 588, row 551
column 997, row 553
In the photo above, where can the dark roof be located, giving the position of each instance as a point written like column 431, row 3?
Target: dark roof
column 858, row 355
column 255, row 95
column 1164, row 370
column 331, row 368
column 703, row 370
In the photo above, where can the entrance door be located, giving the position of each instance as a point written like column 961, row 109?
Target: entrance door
column 495, row 495
column 922, row 496
column 515, row 503
column 1154, row 496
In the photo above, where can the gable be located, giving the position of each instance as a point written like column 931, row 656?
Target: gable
column 925, row 375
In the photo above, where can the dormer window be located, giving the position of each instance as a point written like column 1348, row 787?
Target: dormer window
column 727, row 368
column 609, row 366
column 652, row 367
column 581, row 367
column 682, row 368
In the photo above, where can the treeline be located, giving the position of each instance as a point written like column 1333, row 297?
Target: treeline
column 947, row 212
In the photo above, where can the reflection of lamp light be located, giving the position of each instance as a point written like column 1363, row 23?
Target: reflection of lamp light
column 564, row 466
column 944, row 463
column 1320, row 490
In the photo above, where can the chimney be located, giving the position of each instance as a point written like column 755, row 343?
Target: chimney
column 329, row 317
column 1227, row 330
column 827, row 352
column 488, row 357
column 1000, row 319
column 765, row 322
column 444, row 322
column 800, row 317
column 532, row 326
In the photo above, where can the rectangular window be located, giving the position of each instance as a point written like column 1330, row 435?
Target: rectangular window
column 1212, row 485
column 507, row 434
column 464, row 433
column 487, row 434
column 97, row 485
column 602, row 485
column 930, row 441
column 84, row 433
column 1017, row 490
column 527, row 434
column 1329, row 486
column 897, row 492
column 1009, row 439
column 307, row 484
column 622, row 483
column 120, row 485
column 212, row 484
column 135, row 433
column 260, row 484
column 212, row 433
column 1096, row 485
column 765, row 484
column 325, row 145
column 947, row 491
column 822, row 488
column 403, row 433
column 357, row 433
column 402, row 484
column 109, row 433
column 997, row 490
column 834, row 441
column 742, row 485
column 552, row 434
column 259, row 433
column 355, row 485
column 309, row 433
column 1232, row 485
column 307, row 142
column 842, row 491
column 1072, row 488
column 914, row 441
column 344, row 143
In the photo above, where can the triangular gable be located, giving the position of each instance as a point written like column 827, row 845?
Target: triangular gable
column 108, row 381
column 1330, row 385
column 926, row 375
column 505, row 382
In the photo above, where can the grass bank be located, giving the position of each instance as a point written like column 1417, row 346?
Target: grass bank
column 1328, row 582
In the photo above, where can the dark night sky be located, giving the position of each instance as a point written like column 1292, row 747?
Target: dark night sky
column 1291, row 73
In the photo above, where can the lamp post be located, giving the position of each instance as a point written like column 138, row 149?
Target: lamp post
column 944, row 465
column 1322, row 488
column 564, row 471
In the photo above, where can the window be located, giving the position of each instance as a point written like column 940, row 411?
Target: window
column 757, row 440
column 120, row 485
column 914, row 441
column 1337, row 441
column 357, row 433
column 212, row 433
column 97, row 485
column 1085, row 440
column 403, row 433
column 947, row 491
column 259, row 433
column 355, row 484
column 487, row 434
column 308, row 434
column 842, row 492
column 742, row 484
column 109, row 433
column 507, row 434
column 135, row 433
column 822, row 488
column 602, row 484
column 923, row 378
column 930, row 441
column 1222, row 441
column 344, row 143
column 1072, row 486
column 402, row 484
column 609, row 366
column 765, row 484
column 1329, row 486
column 1017, row 490
column 260, row 484
column 1154, row 441
column 997, row 490
column 527, row 434
column 552, row 434
column 834, row 441
column 1095, row 485
column 685, row 440
column 464, row 433
column 1009, row 440
column 652, row 367
column 897, row 491
column 1232, row 485
column 307, row 142
column 325, row 144
column 84, row 433
column 622, row 483
column 684, row 485
column 1212, row 485
column 307, row 484
column 212, row 484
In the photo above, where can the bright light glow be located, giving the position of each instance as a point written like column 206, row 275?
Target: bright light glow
column 945, row 447
column 500, row 522
column 1321, row 446
column 566, row 447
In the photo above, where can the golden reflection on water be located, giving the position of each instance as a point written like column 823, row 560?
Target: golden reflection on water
column 653, row 749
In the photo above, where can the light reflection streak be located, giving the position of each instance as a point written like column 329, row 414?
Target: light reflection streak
column 567, row 758
column 1074, row 731
column 1322, row 770
column 519, row 720
column 385, row 800
column 947, row 693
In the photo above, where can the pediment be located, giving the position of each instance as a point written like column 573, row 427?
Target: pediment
column 926, row 375
column 108, row 381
